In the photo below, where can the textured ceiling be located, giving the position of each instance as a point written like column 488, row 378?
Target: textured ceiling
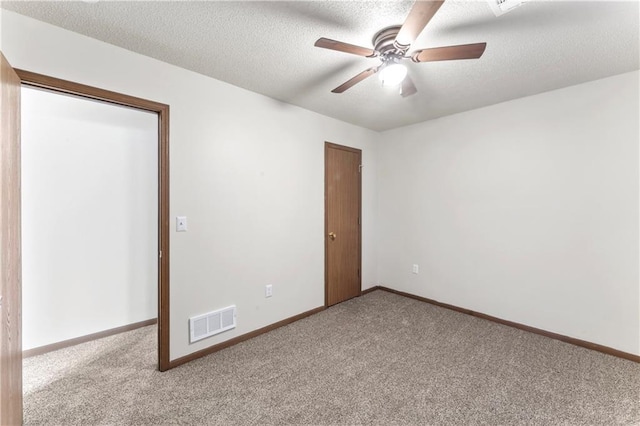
column 267, row 47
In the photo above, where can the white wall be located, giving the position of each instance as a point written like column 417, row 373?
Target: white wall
column 246, row 170
column 526, row 210
column 89, row 217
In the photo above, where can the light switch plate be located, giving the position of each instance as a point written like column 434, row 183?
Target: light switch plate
column 181, row 224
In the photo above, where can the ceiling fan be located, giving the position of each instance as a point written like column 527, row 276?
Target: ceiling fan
column 391, row 45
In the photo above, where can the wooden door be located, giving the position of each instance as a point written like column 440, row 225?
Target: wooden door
column 10, row 249
column 342, row 223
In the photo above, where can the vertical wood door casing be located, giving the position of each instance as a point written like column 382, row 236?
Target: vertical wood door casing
column 10, row 249
column 76, row 89
column 342, row 218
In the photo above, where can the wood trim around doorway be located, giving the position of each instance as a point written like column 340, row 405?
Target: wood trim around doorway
column 11, row 409
column 67, row 87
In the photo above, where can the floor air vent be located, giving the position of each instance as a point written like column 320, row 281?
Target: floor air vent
column 212, row 323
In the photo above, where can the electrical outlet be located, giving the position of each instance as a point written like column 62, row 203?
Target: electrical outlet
column 415, row 269
column 268, row 290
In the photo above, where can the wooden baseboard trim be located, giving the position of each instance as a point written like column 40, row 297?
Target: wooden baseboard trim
column 89, row 337
column 583, row 343
column 242, row 338
column 369, row 290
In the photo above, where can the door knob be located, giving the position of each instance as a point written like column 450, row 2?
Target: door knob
column 332, row 235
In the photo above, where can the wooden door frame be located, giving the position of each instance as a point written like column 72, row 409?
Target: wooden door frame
column 11, row 410
column 327, row 146
column 67, row 87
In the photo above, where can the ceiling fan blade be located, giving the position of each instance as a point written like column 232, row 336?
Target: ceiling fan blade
column 407, row 88
column 326, row 43
column 355, row 80
column 463, row 51
column 419, row 16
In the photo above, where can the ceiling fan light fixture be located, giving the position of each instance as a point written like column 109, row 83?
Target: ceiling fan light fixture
column 392, row 74
column 391, row 45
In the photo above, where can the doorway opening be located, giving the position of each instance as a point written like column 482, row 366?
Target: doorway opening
column 89, row 219
column 161, row 198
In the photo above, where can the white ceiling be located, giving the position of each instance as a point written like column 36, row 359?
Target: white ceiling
column 267, row 47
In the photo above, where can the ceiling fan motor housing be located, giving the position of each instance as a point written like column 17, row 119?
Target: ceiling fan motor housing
column 383, row 42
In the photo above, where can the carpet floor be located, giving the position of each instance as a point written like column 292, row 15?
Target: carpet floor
column 377, row 359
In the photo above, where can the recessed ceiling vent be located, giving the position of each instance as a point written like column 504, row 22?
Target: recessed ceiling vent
column 500, row 7
column 212, row 323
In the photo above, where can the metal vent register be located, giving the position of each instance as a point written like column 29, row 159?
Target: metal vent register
column 212, row 323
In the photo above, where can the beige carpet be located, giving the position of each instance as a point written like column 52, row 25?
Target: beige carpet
column 377, row 359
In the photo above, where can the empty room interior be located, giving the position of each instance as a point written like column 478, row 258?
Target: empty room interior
column 320, row 212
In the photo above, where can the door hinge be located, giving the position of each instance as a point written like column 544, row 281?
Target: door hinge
column 360, row 168
column 160, row 254
column 359, row 221
column 358, row 272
